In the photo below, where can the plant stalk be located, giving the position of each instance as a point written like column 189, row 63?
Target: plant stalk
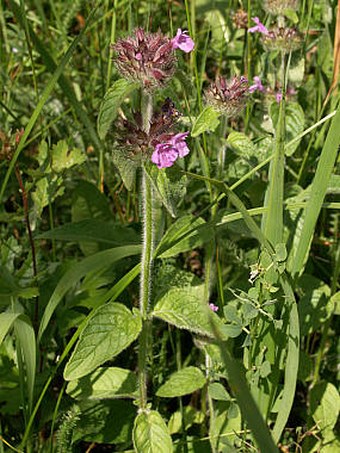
column 146, row 264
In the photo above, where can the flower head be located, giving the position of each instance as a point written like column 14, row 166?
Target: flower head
column 147, row 58
column 278, row 7
column 257, row 86
column 167, row 152
column 283, row 39
column 278, row 97
column 240, row 19
column 182, row 41
column 258, row 27
column 228, row 97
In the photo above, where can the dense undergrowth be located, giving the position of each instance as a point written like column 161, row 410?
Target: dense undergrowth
column 169, row 226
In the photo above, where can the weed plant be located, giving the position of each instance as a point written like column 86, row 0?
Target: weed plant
column 169, row 226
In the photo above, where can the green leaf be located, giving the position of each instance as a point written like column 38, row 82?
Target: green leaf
column 294, row 122
column 169, row 185
column 325, row 405
column 93, row 230
column 150, row 434
column 26, row 341
column 126, row 165
column 187, row 233
column 90, row 264
column 113, row 98
column 317, row 194
column 64, row 158
column 9, row 286
column 206, row 121
column 218, row 392
column 110, row 330
column 185, row 309
column 182, row 382
column 6, row 322
column 241, row 144
column 105, row 383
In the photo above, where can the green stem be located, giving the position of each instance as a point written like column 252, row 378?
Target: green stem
column 146, row 264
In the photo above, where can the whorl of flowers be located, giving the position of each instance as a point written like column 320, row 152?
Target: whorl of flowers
column 283, row 39
column 149, row 58
column 228, row 97
column 278, row 7
column 277, row 38
column 162, row 144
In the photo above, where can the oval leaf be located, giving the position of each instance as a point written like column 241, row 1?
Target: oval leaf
column 111, row 329
column 111, row 102
column 184, row 308
column 182, row 382
column 295, row 120
column 110, row 382
column 150, row 434
column 206, row 121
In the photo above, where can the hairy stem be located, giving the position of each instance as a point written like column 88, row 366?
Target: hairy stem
column 146, row 261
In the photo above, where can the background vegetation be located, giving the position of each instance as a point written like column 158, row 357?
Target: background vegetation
column 248, row 222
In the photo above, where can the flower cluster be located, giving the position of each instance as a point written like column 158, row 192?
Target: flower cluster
column 277, row 38
column 228, row 97
column 278, row 7
column 149, row 58
column 161, row 143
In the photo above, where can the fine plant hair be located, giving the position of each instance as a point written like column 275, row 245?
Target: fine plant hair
column 68, row 424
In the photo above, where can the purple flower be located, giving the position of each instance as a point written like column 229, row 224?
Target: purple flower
column 257, row 85
column 166, row 153
column 258, row 27
column 213, row 307
column 182, row 41
column 178, row 142
column 278, row 97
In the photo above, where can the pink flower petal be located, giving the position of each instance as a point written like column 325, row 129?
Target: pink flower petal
column 164, row 155
column 258, row 27
column 182, row 41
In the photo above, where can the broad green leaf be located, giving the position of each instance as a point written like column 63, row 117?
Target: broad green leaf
column 218, row 392
column 126, row 165
column 185, row 309
column 169, row 184
column 223, row 428
column 241, row 144
column 294, row 119
column 90, row 264
column 182, row 382
column 206, row 121
column 150, row 434
column 113, row 98
column 64, row 158
column 110, row 330
column 104, row 383
column 325, row 405
column 297, row 71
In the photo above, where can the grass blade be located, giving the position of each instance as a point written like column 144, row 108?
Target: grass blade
column 317, row 195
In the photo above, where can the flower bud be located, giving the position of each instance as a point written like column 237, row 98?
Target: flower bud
column 146, row 58
column 284, row 39
column 228, row 97
column 278, row 7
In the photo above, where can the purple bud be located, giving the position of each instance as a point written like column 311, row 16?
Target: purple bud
column 278, row 97
column 257, row 85
column 213, row 307
column 182, row 41
column 258, row 27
